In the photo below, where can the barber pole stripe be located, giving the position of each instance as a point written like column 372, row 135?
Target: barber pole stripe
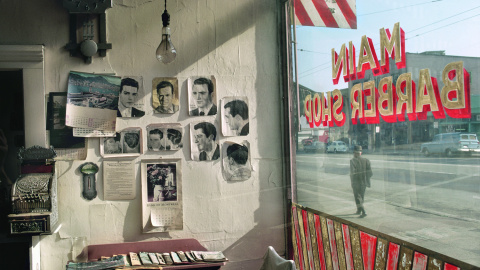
column 348, row 247
column 419, row 261
column 451, row 267
column 297, row 238
column 302, row 239
column 326, row 13
column 321, row 253
column 308, row 242
column 323, row 242
column 369, row 245
column 393, row 253
column 333, row 244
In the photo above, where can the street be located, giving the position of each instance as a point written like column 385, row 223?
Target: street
column 433, row 202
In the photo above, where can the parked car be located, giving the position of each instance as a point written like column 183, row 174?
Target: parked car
column 451, row 143
column 308, row 141
column 314, row 147
column 337, row 146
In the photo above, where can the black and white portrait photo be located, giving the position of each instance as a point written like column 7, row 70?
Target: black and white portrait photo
column 127, row 142
column 130, row 99
column 164, row 137
column 112, row 145
column 202, row 96
column 236, row 161
column 204, row 141
column 131, row 141
column 235, row 121
column 165, row 95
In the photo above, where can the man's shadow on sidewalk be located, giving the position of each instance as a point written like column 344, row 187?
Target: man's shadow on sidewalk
column 349, row 215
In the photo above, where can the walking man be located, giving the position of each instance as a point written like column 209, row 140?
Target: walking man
column 360, row 174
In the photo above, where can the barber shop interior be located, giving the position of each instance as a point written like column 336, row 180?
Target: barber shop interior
column 240, row 134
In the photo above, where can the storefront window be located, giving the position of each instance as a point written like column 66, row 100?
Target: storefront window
column 408, row 93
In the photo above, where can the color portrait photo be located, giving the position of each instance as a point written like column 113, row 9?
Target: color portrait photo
column 165, row 95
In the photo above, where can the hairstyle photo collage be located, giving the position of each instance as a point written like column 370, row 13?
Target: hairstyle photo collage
column 204, row 141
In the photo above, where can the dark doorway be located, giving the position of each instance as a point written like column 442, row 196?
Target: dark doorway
column 12, row 117
column 14, row 250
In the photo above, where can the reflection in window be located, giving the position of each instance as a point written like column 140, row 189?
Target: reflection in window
column 425, row 156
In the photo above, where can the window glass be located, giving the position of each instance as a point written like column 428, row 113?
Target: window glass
column 416, row 119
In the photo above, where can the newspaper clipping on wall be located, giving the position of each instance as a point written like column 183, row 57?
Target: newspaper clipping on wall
column 119, row 180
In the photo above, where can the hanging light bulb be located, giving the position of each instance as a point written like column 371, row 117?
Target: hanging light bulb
column 165, row 51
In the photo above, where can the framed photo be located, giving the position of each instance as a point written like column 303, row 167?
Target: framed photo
column 162, row 207
column 202, row 96
column 165, row 95
column 67, row 146
column 127, row 142
column 167, row 137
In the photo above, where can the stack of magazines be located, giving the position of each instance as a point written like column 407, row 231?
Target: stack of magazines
column 150, row 260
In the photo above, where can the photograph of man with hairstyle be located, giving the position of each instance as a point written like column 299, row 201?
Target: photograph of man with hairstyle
column 111, row 145
column 236, row 116
column 164, row 95
column 155, row 137
column 175, row 137
column 131, row 141
column 204, row 135
column 165, row 136
column 202, row 96
column 129, row 95
column 235, row 162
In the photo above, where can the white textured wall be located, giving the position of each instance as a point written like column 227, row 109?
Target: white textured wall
column 234, row 40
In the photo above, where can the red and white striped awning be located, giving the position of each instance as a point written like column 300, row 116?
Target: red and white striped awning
column 326, row 13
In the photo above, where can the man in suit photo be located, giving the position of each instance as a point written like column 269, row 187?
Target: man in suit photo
column 236, row 115
column 205, row 136
column 128, row 96
column 203, row 94
column 165, row 94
